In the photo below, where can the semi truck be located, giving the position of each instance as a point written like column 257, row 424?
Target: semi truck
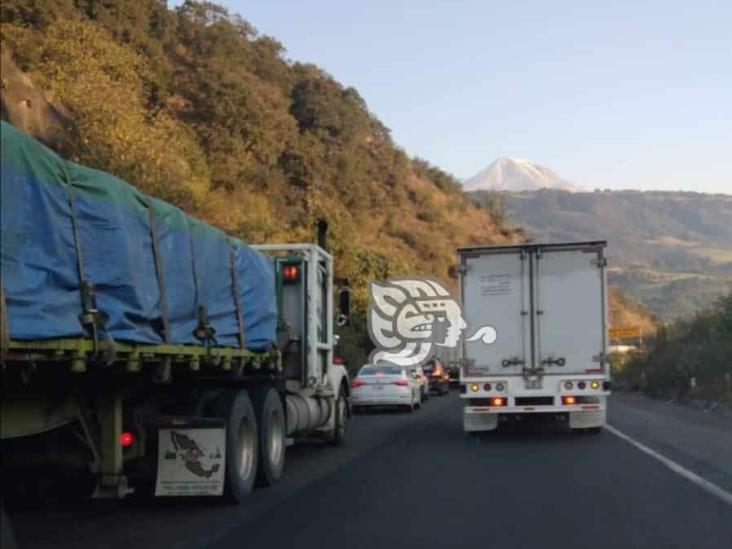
column 540, row 311
column 143, row 350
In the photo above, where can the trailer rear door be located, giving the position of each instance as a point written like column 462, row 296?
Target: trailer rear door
column 569, row 296
column 494, row 290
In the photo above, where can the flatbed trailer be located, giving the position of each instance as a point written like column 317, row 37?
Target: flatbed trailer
column 98, row 407
column 143, row 350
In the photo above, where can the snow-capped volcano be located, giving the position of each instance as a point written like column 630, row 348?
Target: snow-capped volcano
column 517, row 174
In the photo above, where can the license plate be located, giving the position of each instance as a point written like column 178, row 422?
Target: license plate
column 379, row 387
column 533, row 384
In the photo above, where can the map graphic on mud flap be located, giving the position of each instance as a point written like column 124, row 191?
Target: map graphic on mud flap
column 191, row 453
column 190, row 462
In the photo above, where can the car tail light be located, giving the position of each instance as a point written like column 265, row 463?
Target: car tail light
column 595, row 384
column 474, row 387
column 500, row 386
column 356, row 383
column 126, row 439
column 569, row 400
column 487, row 386
column 497, row 401
column 401, row 382
column 581, row 385
column 338, row 360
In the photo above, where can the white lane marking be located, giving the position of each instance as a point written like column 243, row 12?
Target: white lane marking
column 675, row 467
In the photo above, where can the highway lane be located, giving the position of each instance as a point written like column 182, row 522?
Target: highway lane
column 418, row 481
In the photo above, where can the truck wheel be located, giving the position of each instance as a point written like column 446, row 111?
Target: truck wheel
column 272, row 434
column 241, row 443
column 338, row 435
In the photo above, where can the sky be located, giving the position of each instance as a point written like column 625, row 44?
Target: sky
column 608, row 94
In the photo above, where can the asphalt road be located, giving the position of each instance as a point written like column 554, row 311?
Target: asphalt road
column 416, row 480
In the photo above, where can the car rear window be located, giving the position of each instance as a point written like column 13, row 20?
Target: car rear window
column 380, row 370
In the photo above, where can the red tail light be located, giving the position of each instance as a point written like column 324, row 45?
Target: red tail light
column 126, row 439
column 290, row 273
column 338, row 360
column 401, row 382
column 356, row 383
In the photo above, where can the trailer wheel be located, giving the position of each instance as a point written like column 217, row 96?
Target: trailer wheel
column 241, row 443
column 338, row 434
column 272, row 437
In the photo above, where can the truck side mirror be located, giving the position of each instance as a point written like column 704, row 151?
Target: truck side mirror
column 344, row 306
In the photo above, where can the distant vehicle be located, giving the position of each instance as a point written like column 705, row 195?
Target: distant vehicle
column 438, row 376
column 548, row 306
column 384, row 384
column 424, row 385
column 453, row 370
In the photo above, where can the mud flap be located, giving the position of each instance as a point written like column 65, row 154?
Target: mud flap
column 191, row 458
column 587, row 419
column 476, row 421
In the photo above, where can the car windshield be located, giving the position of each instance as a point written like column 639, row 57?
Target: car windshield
column 380, row 370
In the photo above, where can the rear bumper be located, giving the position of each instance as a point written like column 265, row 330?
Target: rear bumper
column 392, row 400
column 485, row 418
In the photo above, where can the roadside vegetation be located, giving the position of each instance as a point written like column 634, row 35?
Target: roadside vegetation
column 687, row 359
column 194, row 106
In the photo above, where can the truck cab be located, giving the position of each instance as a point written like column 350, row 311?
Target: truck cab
column 305, row 295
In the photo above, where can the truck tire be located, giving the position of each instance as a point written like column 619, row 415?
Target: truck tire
column 272, row 436
column 7, row 537
column 241, row 443
column 338, row 434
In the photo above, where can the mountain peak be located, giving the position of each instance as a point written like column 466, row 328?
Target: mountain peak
column 517, row 174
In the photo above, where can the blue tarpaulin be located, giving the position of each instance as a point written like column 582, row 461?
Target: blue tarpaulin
column 147, row 259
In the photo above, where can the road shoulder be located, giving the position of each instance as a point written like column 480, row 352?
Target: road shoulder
column 698, row 441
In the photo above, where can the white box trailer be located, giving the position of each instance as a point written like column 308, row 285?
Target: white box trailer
column 548, row 306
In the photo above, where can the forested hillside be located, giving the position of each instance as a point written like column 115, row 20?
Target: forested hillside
column 194, row 106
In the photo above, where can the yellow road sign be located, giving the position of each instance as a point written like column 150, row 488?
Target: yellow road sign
column 625, row 332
